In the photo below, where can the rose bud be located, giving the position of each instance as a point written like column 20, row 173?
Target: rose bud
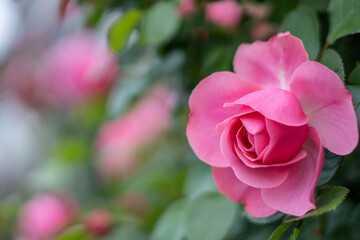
column 186, row 8
column 263, row 128
column 262, row 30
column 77, row 68
column 44, row 216
column 133, row 202
column 256, row 11
column 99, row 222
column 225, row 14
column 120, row 139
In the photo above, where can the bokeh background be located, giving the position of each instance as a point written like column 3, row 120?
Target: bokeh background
column 94, row 105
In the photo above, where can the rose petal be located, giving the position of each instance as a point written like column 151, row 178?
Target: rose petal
column 328, row 105
column 285, row 141
column 237, row 191
column 266, row 177
column 296, row 195
column 270, row 64
column 206, row 111
column 276, row 104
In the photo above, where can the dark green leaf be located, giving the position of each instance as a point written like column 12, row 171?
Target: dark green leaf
column 328, row 198
column 161, row 23
column 319, row 5
column 276, row 235
column 170, row 223
column 265, row 220
column 355, row 91
column 121, row 29
column 303, row 24
column 332, row 60
column 354, row 77
column 331, row 164
column 208, row 216
column 344, row 18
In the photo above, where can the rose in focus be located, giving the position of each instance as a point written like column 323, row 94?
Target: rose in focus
column 263, row 127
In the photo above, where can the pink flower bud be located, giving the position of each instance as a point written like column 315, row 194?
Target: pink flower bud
column 99, row 222
column 44, row 216
column 186, row 8
column 225, row 14
column 262, row 30
column 257, row 11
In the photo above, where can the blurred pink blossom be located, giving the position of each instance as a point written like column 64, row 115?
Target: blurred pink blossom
column 120, row 139
column 44, row 216
column 76, row 68
column 225, row 14
column 257, row 11
column 262, row 30
column 99, row 222
column 186, row 8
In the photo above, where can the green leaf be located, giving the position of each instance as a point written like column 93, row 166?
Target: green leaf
column 170, row 223
column 328, row 198
column 280, row 230
column 265, row 220
column 208, row 216
column 121, row 29
column 355, row 91
column 354, row 77
column 332, row 60
column 161, row 23
column 77, row 232
column 319, row 5
column 295, row 234
column 126, row 232
column 331, row 164
column 199, row 180
column 303, row 24
column 344, row 18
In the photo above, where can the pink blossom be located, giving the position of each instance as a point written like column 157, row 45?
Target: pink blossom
column 44, row 216
column 186, row 8
column 262, row 30
column 99, row 222
column 263, row 128
column 257, row 11
column 226, row 13
column 76, row 68
column 120, row 139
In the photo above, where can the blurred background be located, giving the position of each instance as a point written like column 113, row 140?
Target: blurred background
column 93, row 112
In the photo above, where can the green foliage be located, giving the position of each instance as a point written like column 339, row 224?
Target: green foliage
column 170, row 223
column 354, row 77
column 121, row 29
column 295, row 234
column 279, row 231
column 331, row 165
column 160, row 24
column 77, row 232
column 355, row 91
column 303, row 24
column 208, row 216
column 265, row 220
column 344, row 18
column 332, row 60
column 328, row 198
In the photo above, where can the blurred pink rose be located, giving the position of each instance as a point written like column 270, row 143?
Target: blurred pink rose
column 226, row 13
column 262, row 30
column 263, row 128
column 44, row 216
column 76, row 68
column 186, row 8
column 120, row 139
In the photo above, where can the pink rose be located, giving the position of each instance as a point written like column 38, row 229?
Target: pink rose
column 226, row 13
column 44, row 216
column 186, row 8
column 120, row 139
column 76, row 68
column 263, row 128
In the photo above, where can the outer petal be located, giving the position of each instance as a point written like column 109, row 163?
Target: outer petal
column 270, row 64
column 265, row 177
column 296, row 195
column 276, row 104
column 206, row 111
column 237, row 191
column 328, row 104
